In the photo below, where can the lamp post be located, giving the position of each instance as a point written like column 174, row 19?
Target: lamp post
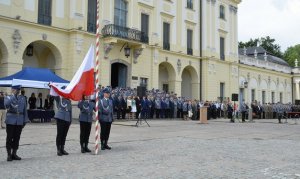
column 127, row 51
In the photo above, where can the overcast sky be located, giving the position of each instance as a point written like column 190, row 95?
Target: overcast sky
column 279, row 19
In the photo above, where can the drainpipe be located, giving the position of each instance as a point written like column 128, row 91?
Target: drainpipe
column 293, row 101
column 200, row 14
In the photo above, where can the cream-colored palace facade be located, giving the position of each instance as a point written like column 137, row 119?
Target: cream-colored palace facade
column 169, row 48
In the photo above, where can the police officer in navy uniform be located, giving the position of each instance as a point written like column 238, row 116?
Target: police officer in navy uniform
column 105, row 111
column 16, row 118
column 63, row 118
column 86, row 107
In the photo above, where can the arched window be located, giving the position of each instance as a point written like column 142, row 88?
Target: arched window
column 222, row 12
column 121, row 11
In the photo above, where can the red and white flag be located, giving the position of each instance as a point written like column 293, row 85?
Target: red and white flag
column 83, row 81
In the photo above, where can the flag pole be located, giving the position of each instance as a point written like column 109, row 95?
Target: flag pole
column 97, row 128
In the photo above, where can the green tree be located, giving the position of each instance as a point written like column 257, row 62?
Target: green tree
column 291, row 54
column 266, row 42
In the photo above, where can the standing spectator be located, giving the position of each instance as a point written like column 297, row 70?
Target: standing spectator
column 129, row 107
column 185, row 110
column 194, row 110
column 133, row 108
column 243, row 110
column 157, row 107
column 179, row 108
column 32, row 101
column 138, row 106
column 2, row 110
column 230, row 111
column 39, row 101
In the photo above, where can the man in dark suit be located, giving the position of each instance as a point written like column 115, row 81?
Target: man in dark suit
column 145, row 107
column 105, row 110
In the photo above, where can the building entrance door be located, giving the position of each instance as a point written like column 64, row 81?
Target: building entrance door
column 118, row 75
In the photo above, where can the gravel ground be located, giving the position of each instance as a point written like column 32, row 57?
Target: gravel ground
column 167, row 149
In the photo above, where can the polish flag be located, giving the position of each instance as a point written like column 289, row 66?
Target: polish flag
column 82, row 83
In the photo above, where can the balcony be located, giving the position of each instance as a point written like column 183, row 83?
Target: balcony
column 113, row 30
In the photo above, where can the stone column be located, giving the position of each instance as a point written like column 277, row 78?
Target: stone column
column 297, row 91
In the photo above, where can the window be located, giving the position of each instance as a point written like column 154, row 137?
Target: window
column 273, row 97
column 253, row 95
column 222, row 90
column 280, row 97
column 222, row 48
column 44, row 12
column 166, row 38
column 263, row 97
column 189, row 42
column 92, row 16
column 222, row 12
column 189, row 4
column 120, row 17
column 145, row 28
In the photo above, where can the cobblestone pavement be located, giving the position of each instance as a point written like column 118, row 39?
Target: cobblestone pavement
column 167, row 149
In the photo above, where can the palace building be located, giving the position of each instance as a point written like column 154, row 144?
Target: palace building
column 189, row 47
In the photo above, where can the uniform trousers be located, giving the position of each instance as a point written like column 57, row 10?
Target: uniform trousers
column 62, row 131
column 13, row 136
column 85, row 131
column 105, row 130
column 157, row 112
column 243, row 115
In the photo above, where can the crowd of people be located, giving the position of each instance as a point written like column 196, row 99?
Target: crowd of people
column 154, row 104
column 125, row 103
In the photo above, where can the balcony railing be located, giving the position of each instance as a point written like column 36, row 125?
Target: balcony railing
column 264, row 64
column 113, row 30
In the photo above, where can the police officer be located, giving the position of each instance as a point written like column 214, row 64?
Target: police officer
column 86, row 107
column 16, row 118
column 105, row 110
column 244, row 109
column 63, row 118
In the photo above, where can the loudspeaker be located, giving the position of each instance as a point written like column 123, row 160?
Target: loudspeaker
column 234, row 97
column 297, row 102
column 141, row 91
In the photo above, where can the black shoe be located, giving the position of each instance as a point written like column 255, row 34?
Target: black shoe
column 82, row 148
column 9, row 157
column 102, row 145
column 14, row 155
column 106, row 146
column 59, row 151
column 86, row 148
column 63, row 150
